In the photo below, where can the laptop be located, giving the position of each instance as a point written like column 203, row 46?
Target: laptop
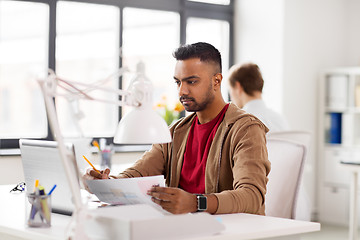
column 41, row 160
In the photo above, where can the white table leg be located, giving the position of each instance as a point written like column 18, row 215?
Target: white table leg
column 353, row 207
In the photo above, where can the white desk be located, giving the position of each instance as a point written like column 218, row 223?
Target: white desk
column 238, row 226
column 353, row 221
column 12, row 219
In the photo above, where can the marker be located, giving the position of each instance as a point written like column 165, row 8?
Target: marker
column 44, row 205
column 91, row 164
column 53, row 188
column 34, row 210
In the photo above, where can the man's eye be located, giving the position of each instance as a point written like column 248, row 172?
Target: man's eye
column 177, row 83
column 191, row 82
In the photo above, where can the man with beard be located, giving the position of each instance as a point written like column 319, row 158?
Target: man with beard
column 217, row 161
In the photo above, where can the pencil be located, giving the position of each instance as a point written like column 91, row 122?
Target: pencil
column 96, row 144
column 36, row 184
column 91, row 164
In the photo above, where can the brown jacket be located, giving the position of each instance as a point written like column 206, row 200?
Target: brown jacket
column 237, row 165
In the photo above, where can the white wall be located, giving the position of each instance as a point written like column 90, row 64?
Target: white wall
column 259, row 39
column 353, row 33
column 314, row 39
column 292, row 41
column 11, row 170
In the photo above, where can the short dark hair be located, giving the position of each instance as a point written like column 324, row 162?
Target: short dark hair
column 249, row 77
column 204, row 51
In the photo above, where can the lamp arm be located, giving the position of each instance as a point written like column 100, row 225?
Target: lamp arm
column 138, row 96
column 48, row 88
column 72, row 84
column 119, row 102
column 54, row 125
column 71, row 87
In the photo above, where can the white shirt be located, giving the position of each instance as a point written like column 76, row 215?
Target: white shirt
column 272, row 120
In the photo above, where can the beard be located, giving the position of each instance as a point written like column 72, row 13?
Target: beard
column 192, row 105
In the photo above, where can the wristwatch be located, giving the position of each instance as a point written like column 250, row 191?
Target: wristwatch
column 201, row 202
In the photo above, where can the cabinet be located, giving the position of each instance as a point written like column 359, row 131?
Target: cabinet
column 339, row 140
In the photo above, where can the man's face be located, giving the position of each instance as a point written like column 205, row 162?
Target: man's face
column 194, row 81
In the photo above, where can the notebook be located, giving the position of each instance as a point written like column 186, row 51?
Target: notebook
column 41, row 160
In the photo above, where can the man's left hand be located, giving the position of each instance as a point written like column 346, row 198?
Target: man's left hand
column 174, row 200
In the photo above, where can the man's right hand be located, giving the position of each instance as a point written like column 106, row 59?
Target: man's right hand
column 91, row 174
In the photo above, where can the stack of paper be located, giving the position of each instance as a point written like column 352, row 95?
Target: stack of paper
column 126, row 191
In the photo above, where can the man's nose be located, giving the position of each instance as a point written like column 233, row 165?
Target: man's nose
column 183, row 89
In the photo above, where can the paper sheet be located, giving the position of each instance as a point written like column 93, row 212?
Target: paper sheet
column 126, row 190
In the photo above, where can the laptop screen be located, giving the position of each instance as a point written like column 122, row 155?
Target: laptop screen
column 41, row 160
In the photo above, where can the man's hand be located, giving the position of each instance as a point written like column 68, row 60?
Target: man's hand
column 174, row 200
column 104, row 174
column 91, row 174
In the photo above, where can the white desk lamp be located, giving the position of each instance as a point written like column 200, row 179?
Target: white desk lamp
column 140, row 126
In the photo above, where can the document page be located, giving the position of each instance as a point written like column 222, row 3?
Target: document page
column 125, row 191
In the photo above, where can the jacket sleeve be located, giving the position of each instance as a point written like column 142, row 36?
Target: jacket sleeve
column 250, row 167
column 151, row 163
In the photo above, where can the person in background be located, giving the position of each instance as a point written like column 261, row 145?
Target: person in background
column 246, row 84
column 217, row 161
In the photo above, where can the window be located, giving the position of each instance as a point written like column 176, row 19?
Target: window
column 87, row 50
column 202, row 30
column 88, row 40
column 155, row 52
column 23, row 57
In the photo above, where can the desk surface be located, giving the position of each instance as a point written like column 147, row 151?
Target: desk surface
column 12, row 219
column 239, row 226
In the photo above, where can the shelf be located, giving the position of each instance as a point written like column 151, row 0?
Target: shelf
column 343, row 71
column 335, row 110
column 333, row 145
column 339, row 121
column 341, row 146
column 355, row 110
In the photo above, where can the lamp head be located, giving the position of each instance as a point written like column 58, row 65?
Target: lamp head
column 140, row 88
column 142, row 125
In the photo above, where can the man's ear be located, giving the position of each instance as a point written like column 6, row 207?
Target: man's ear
column 217, row 80
column 238, row 88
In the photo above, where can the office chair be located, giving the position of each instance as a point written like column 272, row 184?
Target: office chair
column 287, row 161
column 304, row 204
column 302, row 137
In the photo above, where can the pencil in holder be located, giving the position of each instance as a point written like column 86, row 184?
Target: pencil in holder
column 38, row 210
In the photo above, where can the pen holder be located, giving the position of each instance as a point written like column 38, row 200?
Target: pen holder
column 105, row 157
column 38, row 210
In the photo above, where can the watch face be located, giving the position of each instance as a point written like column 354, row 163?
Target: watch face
column 202, row 202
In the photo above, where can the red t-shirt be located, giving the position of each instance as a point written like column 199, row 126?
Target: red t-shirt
column 192, row 177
